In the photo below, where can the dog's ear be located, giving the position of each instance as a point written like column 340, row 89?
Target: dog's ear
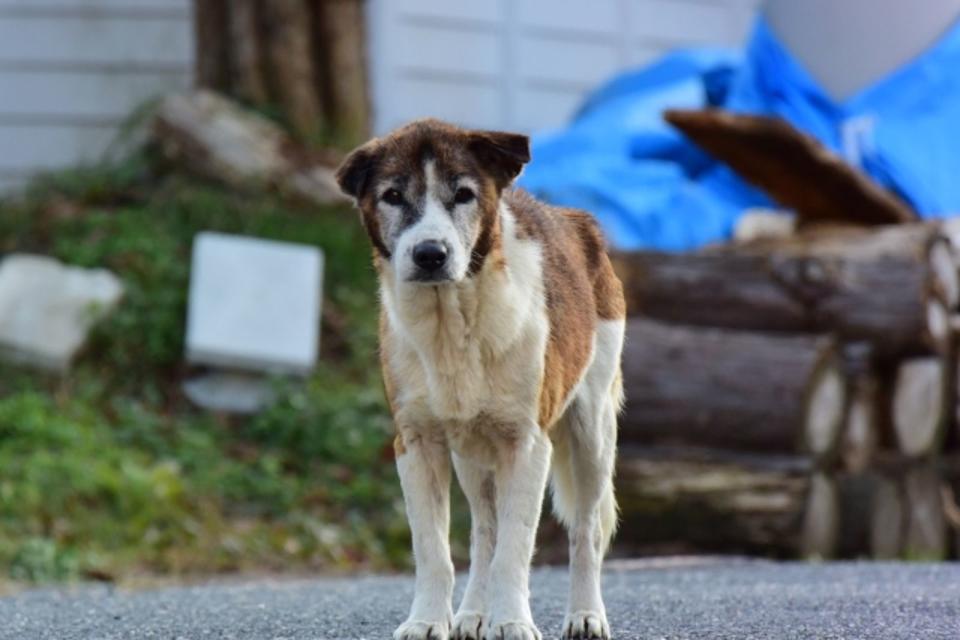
column 354, row 173
column 502, row 154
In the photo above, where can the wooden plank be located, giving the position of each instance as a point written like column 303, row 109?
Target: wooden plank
column 105, row 40
column 85, row 94
column 52, row 146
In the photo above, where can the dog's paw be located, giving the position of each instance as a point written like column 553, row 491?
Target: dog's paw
column 512, row 631
column 586, row 625
column 422, row 630
column 467, row 625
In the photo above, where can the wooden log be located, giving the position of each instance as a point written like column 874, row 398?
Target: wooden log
column 950, row 492
column 864, row 285
column 794, row 168
column 927, row 533
column 861, row 438
column 287, row 37
column 871, row 516
column 700, row 500
column 216, row 138
column 887, row 517
column 820, row 530
column 921, row 404
column 728, row 389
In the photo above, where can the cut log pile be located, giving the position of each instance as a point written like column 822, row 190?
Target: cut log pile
column 795, row 394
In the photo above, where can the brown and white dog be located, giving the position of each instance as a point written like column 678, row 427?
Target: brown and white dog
column 501, row 331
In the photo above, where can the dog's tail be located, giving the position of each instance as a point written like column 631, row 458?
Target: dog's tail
column 565, row 506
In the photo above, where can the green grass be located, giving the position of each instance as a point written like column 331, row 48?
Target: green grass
column 109, row 472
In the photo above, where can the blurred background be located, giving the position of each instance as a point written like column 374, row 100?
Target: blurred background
column 189, row 382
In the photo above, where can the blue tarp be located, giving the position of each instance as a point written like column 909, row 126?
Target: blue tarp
column 650, row 188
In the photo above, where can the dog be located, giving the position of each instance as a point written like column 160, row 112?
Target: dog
column 501, row 333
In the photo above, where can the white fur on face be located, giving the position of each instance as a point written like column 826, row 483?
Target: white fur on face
column 456, row 229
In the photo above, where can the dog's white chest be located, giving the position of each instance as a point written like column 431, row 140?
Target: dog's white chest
column 457, row 369
column 475, row 347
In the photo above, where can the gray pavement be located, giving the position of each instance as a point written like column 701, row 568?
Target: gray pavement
column 666, row 599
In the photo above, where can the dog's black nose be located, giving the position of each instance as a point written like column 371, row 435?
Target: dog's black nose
column 430, row 255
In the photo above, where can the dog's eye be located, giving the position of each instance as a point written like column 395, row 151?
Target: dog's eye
column 463, row 196
column 392, row 197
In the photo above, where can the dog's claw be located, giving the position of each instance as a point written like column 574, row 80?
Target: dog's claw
column 467, row 626
column 421, row 630
column 586, row 625
column 513, row 631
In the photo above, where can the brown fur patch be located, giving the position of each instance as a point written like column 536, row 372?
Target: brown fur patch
column 398, row 447
column 580, row 287
column 389, row 384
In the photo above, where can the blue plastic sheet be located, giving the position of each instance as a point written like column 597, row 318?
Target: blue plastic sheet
column 650, row 188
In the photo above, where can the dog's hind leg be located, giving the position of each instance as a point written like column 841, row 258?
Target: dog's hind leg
column 424, row 467
column 478, row 486
column 583, row 466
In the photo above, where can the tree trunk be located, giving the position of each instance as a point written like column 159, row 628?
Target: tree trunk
column 246, row 53
column 302, row 61
column 211, row 44
column 726, row 389
column 343, row 34
column 698, row 500
column 878, row 286
column 287, row 34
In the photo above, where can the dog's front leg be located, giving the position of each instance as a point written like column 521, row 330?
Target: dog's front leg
column 520, row 480
column 423, row 462
column 478, row 486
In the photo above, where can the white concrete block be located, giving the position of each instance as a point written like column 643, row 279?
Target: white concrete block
column 230, row 392
column 254, row 304
column 47, row 308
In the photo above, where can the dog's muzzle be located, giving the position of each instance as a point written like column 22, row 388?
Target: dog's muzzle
column 430, row 258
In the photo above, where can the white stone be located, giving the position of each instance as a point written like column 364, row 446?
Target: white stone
column 254, row 304
column 47, row 309
column 230, row 392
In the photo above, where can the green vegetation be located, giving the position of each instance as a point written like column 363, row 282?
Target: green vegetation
column 108, row 472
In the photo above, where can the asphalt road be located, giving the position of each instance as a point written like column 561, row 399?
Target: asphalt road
column 677, row 599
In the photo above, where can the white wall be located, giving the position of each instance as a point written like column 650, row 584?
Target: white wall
column 72, row 71
column 525, row 64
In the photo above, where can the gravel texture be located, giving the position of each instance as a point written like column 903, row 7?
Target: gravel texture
column 680, row 598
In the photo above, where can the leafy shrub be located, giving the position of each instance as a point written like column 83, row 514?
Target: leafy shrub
column 110, row 470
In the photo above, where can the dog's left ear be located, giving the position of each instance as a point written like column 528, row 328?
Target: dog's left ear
column 354, row 173
column 502, row 154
